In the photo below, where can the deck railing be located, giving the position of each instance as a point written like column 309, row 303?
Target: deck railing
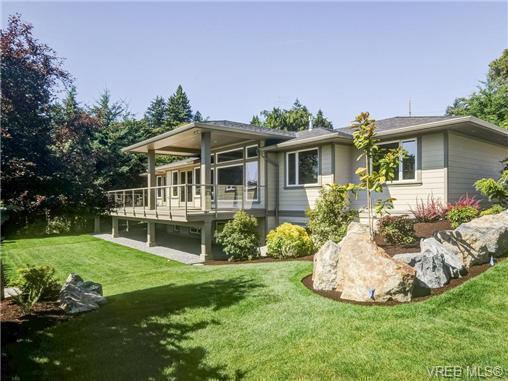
column 183, row 199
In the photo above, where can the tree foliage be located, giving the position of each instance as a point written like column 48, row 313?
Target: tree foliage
column 495, row 190
column 294, row 119
column 179, row 110
column 490, row 101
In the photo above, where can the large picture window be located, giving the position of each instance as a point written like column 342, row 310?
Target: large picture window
column 302, row 167
column 407, row 165
column 251, row 180
column 229, row 182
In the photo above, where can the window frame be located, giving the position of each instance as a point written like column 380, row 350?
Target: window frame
column 159, row 178
column 194, row 230
column 241, row 149
column 257, row 187
column 197, row 186
column 297, row 179
column 218, row 168
column 173, row 188
column 247, row 157
column 401, row 180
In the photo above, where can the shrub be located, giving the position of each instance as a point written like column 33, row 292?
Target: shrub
column 398, row 230
column 494, row 209
column 495, row 190
column 466, row 201
column 239, row 237
column 35, row 283
column 461, row 214
column 332, row 215
column 431, row 211
column 288, row 241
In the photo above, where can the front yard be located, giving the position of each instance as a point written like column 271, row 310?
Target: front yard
column 256, row 321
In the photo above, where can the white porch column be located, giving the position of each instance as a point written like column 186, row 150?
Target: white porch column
column 114, row 227
column 206, row 168
column 150, row 234
column 206, row 240
column 151, row 179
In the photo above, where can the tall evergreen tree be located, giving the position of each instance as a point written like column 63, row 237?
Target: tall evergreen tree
column 179, row 110
column 107, row 112
column 156, row 115
column 320, row 121
column 197, row 117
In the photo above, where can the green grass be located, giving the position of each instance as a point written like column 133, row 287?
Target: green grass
column 257, row 322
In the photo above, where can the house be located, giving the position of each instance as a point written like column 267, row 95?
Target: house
column 276, row 175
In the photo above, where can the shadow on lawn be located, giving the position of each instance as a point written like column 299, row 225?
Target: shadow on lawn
column 134, row 337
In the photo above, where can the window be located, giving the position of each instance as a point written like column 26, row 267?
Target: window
column 197, row 178
column 251, row 180
column 194, row 230
column 407, row 166
column 302, row 167
column 235, row 154
column 160, row 183
column 176, row 228
column 230, row 176
column 252, row 151
column 174, row 182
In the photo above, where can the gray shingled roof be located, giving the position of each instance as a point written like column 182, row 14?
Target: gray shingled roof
column 249, row 127
column 400, row 122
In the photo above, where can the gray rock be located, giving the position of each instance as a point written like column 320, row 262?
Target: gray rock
column 476, row 241
column 408, row 258
column 449, row 254
column 77, row 295
column 432, row 271
column 326, row 260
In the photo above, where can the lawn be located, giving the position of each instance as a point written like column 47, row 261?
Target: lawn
column 255, row 322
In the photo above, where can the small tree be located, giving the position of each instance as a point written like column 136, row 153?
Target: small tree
column 381, row 165
column 332, row 214
column 239, row 238
column 495, row 190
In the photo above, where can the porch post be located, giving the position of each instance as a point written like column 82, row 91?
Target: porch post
column 206, row 169
column 151, row 179
column 150, row 234
column 114, row 227
column 206, row 240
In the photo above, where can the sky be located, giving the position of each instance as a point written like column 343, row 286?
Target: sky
column 236, row 59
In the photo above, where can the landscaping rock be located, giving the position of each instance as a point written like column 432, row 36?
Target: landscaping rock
column 431, row 271
column 367, row 273
column 476, row 241
column 408, row 258
column 326, row 261
column 449, row 255
column 78, row 296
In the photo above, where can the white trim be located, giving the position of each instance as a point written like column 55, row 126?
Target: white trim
column 297, row 179
column 401, row 180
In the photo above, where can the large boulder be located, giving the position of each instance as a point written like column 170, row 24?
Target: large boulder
column 476, row 241
column 77, row 295
column 326, row 261
column 449, row 255
column 367, row 273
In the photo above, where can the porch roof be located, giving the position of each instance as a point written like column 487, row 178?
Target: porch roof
column 186, row 140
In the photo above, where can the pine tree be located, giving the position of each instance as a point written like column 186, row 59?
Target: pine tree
column 320, row 121
column 178, row 109
column 197, row 117
column 107, row 111
column 256, row 121
column 156, row 115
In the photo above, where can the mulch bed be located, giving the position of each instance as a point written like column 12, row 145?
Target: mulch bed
column 216, row 262
column 473, row 272
column 15, row 324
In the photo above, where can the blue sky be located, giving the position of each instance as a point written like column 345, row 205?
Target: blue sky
column 236, row 59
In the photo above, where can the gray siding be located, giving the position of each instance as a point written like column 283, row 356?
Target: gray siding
column 469, row 160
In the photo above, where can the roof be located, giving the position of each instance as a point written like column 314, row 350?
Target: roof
column 177, row 163
column 248, row 127
column 401, row 121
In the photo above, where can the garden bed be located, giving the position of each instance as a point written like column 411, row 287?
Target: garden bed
column 335, row 295
column 217, row 262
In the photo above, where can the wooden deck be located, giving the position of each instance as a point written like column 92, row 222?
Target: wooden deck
column 164, row 214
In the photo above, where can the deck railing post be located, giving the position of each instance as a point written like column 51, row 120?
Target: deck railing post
column 133, row 203
column 185, row 191
column 243, row 197
column 123, row 194
column 144, row 209
column 169, row 200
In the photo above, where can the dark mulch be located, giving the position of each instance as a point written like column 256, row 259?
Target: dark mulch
column 16, row 326
column 473, row 271
column 216, row 262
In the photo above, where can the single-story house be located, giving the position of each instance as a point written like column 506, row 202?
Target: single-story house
column 276, row 175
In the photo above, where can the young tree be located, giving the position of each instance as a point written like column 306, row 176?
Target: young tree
column 179, row 110
column 380, row 164
column 197, row 117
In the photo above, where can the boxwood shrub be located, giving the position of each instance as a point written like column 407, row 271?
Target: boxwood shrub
column 288, row 241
